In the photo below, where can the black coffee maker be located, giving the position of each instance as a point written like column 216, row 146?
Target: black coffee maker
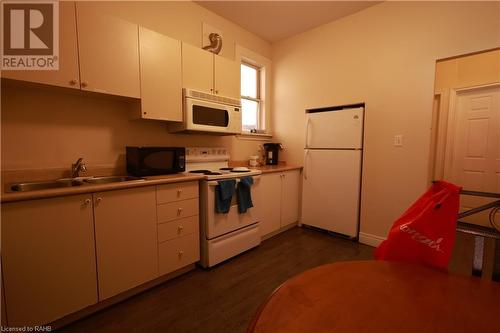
column 271, row 150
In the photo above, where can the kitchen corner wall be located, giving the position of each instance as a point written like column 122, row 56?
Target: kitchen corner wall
column 384, row 56
column 51, row 127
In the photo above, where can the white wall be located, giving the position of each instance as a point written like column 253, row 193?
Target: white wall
column 384, row 56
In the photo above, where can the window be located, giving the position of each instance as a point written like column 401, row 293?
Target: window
column 250, row 98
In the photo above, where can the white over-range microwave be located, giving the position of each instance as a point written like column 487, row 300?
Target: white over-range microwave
column 209, row 113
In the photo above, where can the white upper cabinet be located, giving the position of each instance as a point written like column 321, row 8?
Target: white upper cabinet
column 161, row 76
column 197, row 69
column 68, row 74
column 227, row 77
column 109, row 53
column 205, row 71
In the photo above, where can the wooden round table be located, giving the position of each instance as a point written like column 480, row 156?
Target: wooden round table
column 379, row 296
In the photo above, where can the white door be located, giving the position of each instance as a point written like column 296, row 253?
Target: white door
column 269, row 203
column 475, row 162
column 290, row 197
column 331, row 184
column 335, row 129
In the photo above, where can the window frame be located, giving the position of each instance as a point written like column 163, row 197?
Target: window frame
column 258, row 99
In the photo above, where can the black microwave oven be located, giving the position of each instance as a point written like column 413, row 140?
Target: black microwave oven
column 151, row 161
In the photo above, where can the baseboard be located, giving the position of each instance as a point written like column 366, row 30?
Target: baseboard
column 369, row 239
column 279, row 231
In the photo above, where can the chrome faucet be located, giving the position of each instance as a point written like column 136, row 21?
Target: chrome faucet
column 78, row 167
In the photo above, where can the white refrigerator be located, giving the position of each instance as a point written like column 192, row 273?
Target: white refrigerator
column 332, row 169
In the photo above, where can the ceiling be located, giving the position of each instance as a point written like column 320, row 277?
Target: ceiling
column 276, row 20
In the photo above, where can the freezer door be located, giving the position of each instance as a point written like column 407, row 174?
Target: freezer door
column 335, row 129
column 331, row 186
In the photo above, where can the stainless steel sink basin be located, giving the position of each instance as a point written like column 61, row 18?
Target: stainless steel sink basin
column 69, row 182
column 35, row 186
column 111, row 179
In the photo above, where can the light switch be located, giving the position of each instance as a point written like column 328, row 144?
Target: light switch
column 398, row 140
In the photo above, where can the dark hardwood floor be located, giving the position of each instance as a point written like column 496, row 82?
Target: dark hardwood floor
column 223, row 299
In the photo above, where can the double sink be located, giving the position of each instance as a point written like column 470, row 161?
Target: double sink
column 70, row 182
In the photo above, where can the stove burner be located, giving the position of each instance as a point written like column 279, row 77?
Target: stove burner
column 206, row 172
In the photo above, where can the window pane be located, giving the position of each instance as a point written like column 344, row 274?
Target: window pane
column 248, row 81
column 250, row 114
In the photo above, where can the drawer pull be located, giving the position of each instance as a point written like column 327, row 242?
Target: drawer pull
column 179, row 192
column 179, row 211
column 181, row 253
column 179, row 229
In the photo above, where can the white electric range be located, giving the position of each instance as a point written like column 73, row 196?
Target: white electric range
column 223, row 235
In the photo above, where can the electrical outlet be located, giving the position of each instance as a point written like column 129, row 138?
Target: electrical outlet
column 398, row 140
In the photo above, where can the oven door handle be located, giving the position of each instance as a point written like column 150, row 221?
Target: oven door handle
column 215, row 183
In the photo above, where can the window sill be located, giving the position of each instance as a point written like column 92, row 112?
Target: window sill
column 254, row 136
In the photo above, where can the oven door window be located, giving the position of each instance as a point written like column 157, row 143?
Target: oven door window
column 203, row 115
column 160, row 160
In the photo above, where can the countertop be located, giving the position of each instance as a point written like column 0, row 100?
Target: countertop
column 153, row 180
column 90, row 188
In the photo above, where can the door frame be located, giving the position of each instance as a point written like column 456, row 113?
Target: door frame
column 445, row 154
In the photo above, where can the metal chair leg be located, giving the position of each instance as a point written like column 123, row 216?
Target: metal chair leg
column 496, row 264
column 477, row 264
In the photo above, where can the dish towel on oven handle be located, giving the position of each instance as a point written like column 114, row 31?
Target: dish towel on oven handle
column 244, row 194
column 223, row 195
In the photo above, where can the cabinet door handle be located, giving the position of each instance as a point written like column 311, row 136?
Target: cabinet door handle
column 84, row 84
column 216, row 91
column 98, row 200
column 73, row 82
column 87, row 202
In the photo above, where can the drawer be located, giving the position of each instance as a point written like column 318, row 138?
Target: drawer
column 177, row 210
column 179, row 252
column 175, row 192
column 178, row 228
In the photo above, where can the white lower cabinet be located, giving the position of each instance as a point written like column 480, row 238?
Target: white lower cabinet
column 178, row 226
column 125, row 233
column 278, row 202
column 48, row 258
column 61, row 255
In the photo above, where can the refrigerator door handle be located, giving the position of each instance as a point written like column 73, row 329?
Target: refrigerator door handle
column 306, row 153
column 307, row 131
